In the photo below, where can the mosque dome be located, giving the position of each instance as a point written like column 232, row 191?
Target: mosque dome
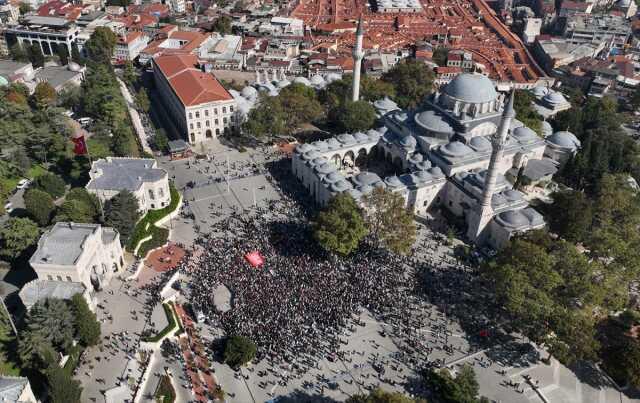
column 498, row 199
column 513, row 219
column 525, row 135
column 455, row 149
column 3, row 82
column 319, row 161
column 393, row 181
column 333, row 177
column 340, row 186
column 422, row 176
column 283, row 83
column 408, row 142
column 321, row 145
column 471, row 88
column 354, row 193
column 417, row 157
column 540, row 91
column 266, row 87
column 423, row 165
column 515, row 123
column 554, row 98
column 303, row 148
column 274, row 93
column 361, row 137
column 432, row 121
column 546, row 128
column 365, row 189
column 385, row 105
column 302, row 80
column 73, row 66
column 325, row 168
column 480, row 143
column 346, row 139
column 331, row 77
column 311, row 155
column 249, row 92
column 333, row 143
column 317, row 81
column 512, row 195
column 564, row 139
column 373, row 134
column 366, row 179
column 436, row 172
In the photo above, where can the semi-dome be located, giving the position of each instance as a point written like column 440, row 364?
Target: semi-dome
column 408, row 142
column 340, row 186
column 73, row 66
column 455, row 149
column 317, row 80
column 365, row 189
column 432, row 121
column 274, row 92
column 302, row 80
column 354, row 193
column 374, row 134
column 564, row 139
column 311, row 155
column 512, row 195
column 325, row 168
column 417, row 157
column 331, row 77
column 423, row 165
column 333, row 177
column 346, row 139
column 283, row 83
column 385, row 105
column 436, row 172
column 333, row 143
column 540, row 91
column 422, row 176
column 554, row 98
column 303, row 148
column 393, row 181
column 525, row 135
column 480, row 144
column 513, row 219
column 319, row 161
column 546, row 129
column 515, row 123
column 471, row 88
column 498, row 200
column 268, row 87
column 321, row 145
column 361, row 137
column 249, row 92
column 366, row 178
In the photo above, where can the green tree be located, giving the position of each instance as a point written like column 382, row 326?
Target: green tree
column 123, row 143
column 21, row 159
column 61, row 386
column 389, row 220
column 340, row 226
column 86, row 323
column 25, row 8
column 35, row 55
column 299, row 105
column 52, row 318
column 39, row 205
column 100, row 46
column 18, row 53
column 523, row 104
column 239, row 350
column 267, row 118
column 63, row 54
column 35, row 351
column 161, row 141
column 412, row 80
column 50, row 183
column 354, row 116
column 380, row 396
column 17, row 235
column 79, row 206
column 222, row 25
column 461, row 389
column 121, row 212
column 440, row 56
column 44, row 95
column 75, row 54
column 129, row 74
column 570, row 215
column 142, row 100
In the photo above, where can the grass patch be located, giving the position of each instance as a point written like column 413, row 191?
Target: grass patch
column 180, row 328
column 74, row 358
column 168, row 311
column 35, row 171
column 165, row 392
column 146, row 226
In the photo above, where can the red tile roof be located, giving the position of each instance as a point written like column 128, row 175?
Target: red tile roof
column 190, row 84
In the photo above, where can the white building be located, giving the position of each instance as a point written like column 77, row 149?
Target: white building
column 16, row 389
column 199, row 105
column 129, row 46
column 80, row 253
column 532, row 27
column 453, row 153
column 286, row 26
column 177, row 6
column 48, row 32
column 38, row 290
column 141, row 176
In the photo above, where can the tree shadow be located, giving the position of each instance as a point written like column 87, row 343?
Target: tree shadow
column 300, row 396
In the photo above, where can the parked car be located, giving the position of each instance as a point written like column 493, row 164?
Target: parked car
column 8, row 207
column 24, row 183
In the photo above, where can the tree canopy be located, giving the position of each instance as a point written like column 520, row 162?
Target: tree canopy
column 53, row 319
column 389, row 220
column 39, row 205
column 86, row 324
column 101, row 45
column 239, row 350
column 121, row 212
column 463, row 388
column 61, row 386
column 525, row 112
column 353, row 116
column 340, row 226
column 412, row 81
column 17, row 235
column 79, row 206
column 381, row 396
column 51, row 184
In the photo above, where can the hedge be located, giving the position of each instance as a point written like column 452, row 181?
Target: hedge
column 165, row 390
column 146, row 226
column 168, row 310
column 180, row 328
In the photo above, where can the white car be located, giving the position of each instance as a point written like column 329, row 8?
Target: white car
column 8, row 207
column 23, row 184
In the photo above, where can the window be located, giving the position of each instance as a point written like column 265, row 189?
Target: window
column 206, row 123
column 215, row 110
column 193, row 138
column 224, row 120
column 151, row 196
column 69, row 278
column 216, row 122
column 59, row 278
column 231, row 108
column 217, row 132
column 425, row 203
column 49, row 277
column 153, row 205
column 161, row 192
column 206, row 112
column 198, row 124
column 191, row 126
column 197, row 115
column 190, row 115
column 224, row 109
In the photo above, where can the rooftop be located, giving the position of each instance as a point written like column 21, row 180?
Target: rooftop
column 124, row 173
column 38, row 290
column 11, row 388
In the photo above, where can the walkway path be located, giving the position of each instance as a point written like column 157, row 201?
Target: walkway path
column 135, row 118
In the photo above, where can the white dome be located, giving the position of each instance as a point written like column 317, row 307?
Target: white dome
column 480, row 143
column 303, row 148
column 540, row 91
column 249, row 92
column 432, row 121
column 346, row 139
column 408, row 142
column 455, row 149
column 317, row 80
column 341, row 186
column 554, row 98
column 325, row 168
column 471, row 88
column 361, row 137
column 513, row 219
column 283, row 83
column 366, row 179
column 331, row 77
column 525, row 135
column 546, row 128
column 73, row 66
column 320, row 145
column 564, row 139
column 302, row 80
column 393, row 181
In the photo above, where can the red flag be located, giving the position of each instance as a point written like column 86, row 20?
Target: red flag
column 484, row 333
column 254, row 258
column 79, row 145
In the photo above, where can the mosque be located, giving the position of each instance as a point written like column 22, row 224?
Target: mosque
column 462, row 150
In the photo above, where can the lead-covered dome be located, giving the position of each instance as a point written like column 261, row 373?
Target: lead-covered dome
column 564, row 139
column 455, row 149
column 513, row 219
column 432, row 121
column 471, row 88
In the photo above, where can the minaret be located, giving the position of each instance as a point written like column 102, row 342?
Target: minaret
column 358, row 54
column 484, row 211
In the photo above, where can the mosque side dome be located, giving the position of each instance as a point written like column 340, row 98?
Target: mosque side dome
column 471, row 88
